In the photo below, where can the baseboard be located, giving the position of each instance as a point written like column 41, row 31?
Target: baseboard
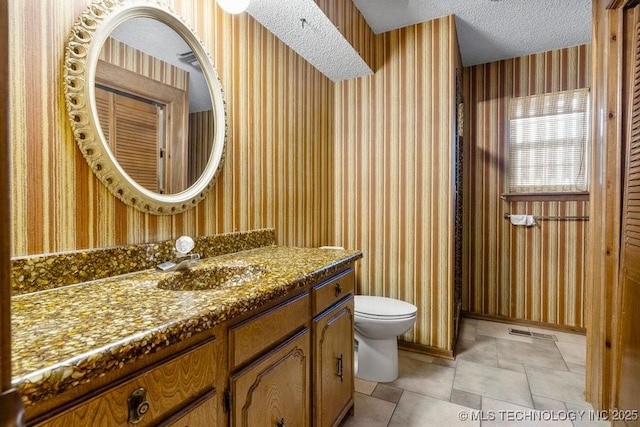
column 425, row 349
column 522, row 322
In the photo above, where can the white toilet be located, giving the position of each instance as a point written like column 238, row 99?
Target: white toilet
column 378, row 322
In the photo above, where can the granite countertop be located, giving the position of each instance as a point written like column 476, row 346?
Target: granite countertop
column 66, row 336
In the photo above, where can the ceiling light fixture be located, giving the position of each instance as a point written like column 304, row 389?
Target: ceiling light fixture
column 233, row 6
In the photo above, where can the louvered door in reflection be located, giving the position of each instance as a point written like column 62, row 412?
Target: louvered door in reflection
column 628, row 361
column 132, row 127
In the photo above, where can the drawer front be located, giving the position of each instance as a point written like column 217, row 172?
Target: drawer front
column 169, row 386
column 333, row 290
column 251, row 337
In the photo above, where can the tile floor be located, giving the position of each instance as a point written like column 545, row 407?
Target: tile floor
column 497, row 379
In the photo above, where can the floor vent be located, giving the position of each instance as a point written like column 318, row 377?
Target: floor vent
column 544, row 336
column 521, row 333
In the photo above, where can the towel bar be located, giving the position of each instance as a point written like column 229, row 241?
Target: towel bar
column 559, row 218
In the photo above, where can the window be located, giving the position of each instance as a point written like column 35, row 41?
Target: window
column 548, row 143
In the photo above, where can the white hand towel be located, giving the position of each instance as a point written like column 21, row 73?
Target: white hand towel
column 527, row 220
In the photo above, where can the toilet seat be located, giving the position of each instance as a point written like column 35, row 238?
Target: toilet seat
column 373, row 307
column 374, row 317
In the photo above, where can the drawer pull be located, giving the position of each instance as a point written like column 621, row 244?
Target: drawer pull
column 339, row 368
column 338, row 289
column 280, row 422
column 138, row 405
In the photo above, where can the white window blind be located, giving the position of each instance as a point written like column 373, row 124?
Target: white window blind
column 548, row 142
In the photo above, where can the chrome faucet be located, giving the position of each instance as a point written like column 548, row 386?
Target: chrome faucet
column 183, row 259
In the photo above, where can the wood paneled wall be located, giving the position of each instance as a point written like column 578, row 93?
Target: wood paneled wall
column 278, row 170
column 611, row 80
column 394, row 171
column 538, row 273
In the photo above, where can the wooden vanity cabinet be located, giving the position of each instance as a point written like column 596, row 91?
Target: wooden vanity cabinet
column 293, row 364
column 290, row 364
column 333, row 374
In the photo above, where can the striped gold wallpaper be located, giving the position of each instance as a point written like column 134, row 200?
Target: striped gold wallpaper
column 394, row 165
column 201, row 131
column 534, row 274
column 279, row 164
column 365, row 163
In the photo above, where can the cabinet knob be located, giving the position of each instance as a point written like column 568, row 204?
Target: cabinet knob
column 138, row 405
column 280, row 422
column 338, row 289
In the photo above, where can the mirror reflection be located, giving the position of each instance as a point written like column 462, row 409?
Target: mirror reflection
column 154, row 106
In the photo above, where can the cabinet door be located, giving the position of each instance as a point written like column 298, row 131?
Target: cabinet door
column 333, row 364
column 274, row 390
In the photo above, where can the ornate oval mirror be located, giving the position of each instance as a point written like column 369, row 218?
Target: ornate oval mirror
column 145, row 104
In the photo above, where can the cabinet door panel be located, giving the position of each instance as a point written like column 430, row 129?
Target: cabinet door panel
column 333, row 364
column 275, row 388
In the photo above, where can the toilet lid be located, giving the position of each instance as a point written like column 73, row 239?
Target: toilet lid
column 372, row 306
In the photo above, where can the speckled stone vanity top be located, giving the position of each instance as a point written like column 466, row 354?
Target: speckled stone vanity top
column 66, row 336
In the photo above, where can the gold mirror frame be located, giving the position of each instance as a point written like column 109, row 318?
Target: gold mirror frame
column 83, row 48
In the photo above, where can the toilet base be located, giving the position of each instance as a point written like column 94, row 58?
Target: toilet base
column 377, row 360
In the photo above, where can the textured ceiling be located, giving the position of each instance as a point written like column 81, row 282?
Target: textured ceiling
column 317, row 39
column 490, row 30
